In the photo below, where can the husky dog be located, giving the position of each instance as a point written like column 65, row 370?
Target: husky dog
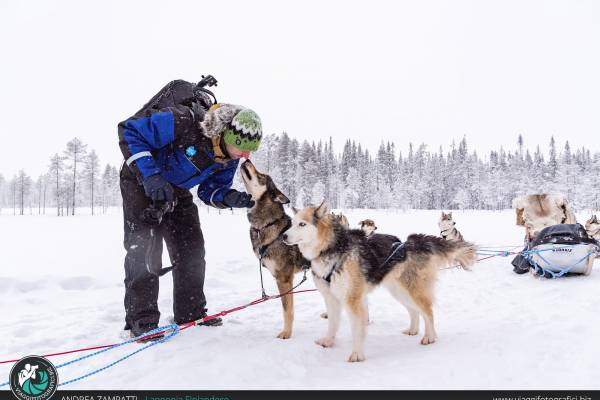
column 368, row 227
column 267, row 221
column 346, row 266
column 342, row 220
column 447, row 228
column 592, row 227
column 538, row 211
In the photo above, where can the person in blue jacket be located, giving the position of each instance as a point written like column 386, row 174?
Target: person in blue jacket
column 177, row 141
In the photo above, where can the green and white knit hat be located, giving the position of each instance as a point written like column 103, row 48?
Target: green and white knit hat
column 239, row 126
column 245, row 131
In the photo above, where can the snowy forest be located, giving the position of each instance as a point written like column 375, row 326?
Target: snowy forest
column 457, row 178
column 73, row 179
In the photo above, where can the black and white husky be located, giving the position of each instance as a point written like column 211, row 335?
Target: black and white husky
column 448, row 227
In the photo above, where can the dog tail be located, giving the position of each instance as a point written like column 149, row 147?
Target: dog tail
column 453, row 251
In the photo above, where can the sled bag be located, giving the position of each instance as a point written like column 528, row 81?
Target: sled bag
column 563, row 248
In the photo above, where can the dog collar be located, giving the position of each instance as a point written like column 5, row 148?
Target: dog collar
column 446, row 230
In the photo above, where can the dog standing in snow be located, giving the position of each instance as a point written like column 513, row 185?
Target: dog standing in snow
column 268, row 221
column 448, row 229
column 346, row 266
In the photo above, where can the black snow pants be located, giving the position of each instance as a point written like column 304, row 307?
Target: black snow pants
column 181, row 231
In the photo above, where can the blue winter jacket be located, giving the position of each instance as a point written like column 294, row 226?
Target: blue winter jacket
column 169, row 142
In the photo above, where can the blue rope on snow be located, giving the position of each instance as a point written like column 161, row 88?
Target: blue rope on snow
column 501, row 253
column 174, row 327
column 495, row 251
column 528, row 255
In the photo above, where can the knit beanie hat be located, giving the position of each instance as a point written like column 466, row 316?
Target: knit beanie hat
column 240, row 127
column 244, row 131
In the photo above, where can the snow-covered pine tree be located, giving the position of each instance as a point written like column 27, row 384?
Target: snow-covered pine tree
column 24, row 185
column 90, row 173
column 75, row 153
column 56, row 170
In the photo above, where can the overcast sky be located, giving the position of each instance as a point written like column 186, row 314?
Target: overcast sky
column 420, row 71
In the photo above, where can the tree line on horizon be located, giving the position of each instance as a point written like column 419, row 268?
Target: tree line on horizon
column 308, row 172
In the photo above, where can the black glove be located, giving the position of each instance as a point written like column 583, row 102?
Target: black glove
column 158, row 189
column 236, row 199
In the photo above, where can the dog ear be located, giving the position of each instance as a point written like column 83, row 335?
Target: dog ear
column 594, row 219
column 280, row 197
column 294, row 210
column 450, row 215
column 322, row 210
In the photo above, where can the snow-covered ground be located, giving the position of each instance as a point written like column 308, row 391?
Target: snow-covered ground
column 61, row 288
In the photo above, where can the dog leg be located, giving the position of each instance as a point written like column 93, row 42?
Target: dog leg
column 413, row 329
column 404, row 298
column 359, row 318
column 425, row 305
column 287, row 302
column 334, row 311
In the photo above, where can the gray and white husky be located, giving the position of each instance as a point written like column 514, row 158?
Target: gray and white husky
column 346, row 266
column 448, row 227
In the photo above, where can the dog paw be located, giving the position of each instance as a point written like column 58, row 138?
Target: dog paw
column 410, row 332
column 284, row 335
column 325, row 342
column 324, row 315
column 427, row 340
column 356, row 357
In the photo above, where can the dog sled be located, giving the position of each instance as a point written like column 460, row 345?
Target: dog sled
column 558, row 250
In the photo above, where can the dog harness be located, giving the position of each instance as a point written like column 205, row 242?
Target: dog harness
column 447, row 231
column 327, row 278
column 395, row 246
column 262, row 250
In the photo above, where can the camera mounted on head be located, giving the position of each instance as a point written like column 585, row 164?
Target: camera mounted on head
column 200, row 90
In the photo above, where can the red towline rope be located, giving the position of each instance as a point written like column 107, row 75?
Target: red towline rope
column 181, row 326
